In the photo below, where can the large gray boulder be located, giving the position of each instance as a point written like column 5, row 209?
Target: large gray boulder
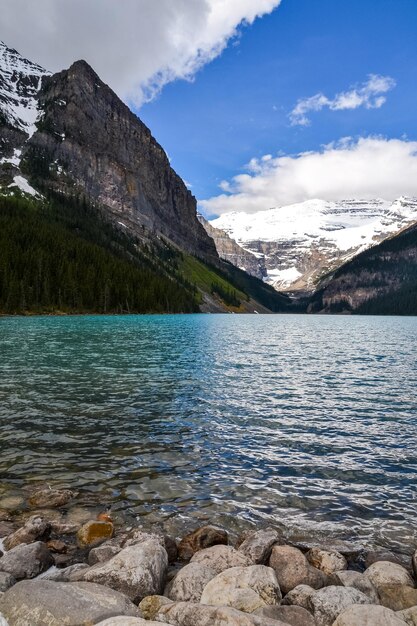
column 328, row 603
column 257, row 547
column 293, row 569
column 243, row 588
column 189, row 614
column 388, row 573
column 219, row 558
column 368, row 616
column 137, row 571
column 350, row 578
column 26, row 560
column 41, row 602
column 188, row 584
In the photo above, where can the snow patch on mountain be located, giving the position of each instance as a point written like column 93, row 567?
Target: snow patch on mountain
column 20, row 81
column 302, row 242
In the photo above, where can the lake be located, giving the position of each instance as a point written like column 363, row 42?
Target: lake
column 308, row 423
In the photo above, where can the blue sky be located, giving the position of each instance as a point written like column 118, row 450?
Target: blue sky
column 237, row 106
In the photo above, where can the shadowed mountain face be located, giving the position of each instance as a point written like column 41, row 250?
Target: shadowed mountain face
column 381, row 280
column 71, row 134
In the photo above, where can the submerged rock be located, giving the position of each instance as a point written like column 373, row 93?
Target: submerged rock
column 243, row 588
column 137, row 571
column 26, row 560
column 200, row 539
column 50, row 498
column 37, row 603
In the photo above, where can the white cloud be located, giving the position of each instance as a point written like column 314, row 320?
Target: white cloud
column 370, row 167
column 137, row 46
column 368, row 95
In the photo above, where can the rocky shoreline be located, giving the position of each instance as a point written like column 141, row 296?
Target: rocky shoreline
column 58, row 570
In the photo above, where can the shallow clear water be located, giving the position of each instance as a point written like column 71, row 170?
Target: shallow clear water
column 301, row 421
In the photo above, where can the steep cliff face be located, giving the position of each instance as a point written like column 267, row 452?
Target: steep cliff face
column 230, row 251
column 89, row 142
column 382, row 279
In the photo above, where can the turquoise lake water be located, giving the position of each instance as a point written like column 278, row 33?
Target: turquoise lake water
column 306, row 422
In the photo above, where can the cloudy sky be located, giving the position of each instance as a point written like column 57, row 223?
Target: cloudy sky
column 258, row 103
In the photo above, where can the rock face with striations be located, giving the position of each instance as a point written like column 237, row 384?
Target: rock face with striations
column 70, row 133
column 88, row 141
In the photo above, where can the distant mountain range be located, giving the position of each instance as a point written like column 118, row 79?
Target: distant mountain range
column 79, row 169
column 297, row 246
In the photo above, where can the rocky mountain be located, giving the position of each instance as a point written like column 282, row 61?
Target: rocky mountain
column 380, row 280
column 301, row 243
column 230, row 251
column 93, row 170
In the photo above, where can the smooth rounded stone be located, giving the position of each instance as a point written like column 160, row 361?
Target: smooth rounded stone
column 397, row 597
column 243, row 588
column 126, row 621
column 40, row 602
column 220, row 557
column 92, row 533
column 371, row 615
column 6, row 581
column 350, row 578
column 78, row 515
column 137, row 571
column 258, row 545
column 299, row 596
column 199, row 539
column 26, row 560
column 327, row 561
column 188, row 584
column 293, row 569
column 292, row 615
column 35, row 528
column 49, row 515
column 151, row 605
column 409, row 616
column 388, row 573
column 190, row 614
column 102, row 553
column 328, row 603
column 50, row 498
column 11, row 503
column 72, row 573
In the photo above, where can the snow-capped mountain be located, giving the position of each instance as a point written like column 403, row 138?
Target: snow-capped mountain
column 303, row 242
column 20, row 81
